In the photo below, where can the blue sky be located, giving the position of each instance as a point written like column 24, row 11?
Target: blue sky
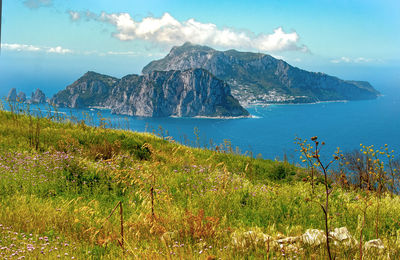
column 52, row 42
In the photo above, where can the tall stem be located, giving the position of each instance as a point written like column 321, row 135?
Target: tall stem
column 326, row 209
column 122, row 226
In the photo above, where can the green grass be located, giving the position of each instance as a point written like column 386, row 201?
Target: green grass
column 65, row 190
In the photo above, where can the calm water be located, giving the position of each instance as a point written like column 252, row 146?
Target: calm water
column 273, row 129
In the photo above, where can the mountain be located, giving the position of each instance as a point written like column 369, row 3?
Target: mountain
column 188, row 93
column 260, row 78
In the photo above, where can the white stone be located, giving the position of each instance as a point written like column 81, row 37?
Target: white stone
column 375, row 243
column 313, row 237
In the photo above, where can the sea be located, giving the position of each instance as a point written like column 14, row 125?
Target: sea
column 271, row 131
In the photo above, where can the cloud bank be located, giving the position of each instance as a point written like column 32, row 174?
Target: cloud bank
column 31, row 48
column 168, row 31
column 59, row 50
column 19, row 47
column 351, row 60
column 34, row 4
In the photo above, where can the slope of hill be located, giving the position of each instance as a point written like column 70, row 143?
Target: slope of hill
column 60, row 181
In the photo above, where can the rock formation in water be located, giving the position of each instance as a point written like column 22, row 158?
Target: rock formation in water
column 38, row 97
column 12, row 95
column 21, row 96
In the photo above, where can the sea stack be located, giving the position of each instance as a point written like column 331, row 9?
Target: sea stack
column 12, row 95
column 38, row 97
column 21, row 97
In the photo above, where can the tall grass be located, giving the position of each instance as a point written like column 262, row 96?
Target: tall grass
column 178, row 202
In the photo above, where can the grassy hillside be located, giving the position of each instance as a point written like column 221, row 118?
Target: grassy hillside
column 59, row 182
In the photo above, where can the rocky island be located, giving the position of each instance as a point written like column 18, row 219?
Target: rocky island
column 198, row 81
column 187, row 93
column 257, row 78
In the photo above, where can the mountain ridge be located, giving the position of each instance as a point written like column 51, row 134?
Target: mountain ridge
column 257, row 78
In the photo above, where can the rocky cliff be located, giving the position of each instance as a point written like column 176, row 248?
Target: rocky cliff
column 189, row 93
column 259, row 78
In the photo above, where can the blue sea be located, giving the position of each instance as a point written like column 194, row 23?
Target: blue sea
column 272, row 131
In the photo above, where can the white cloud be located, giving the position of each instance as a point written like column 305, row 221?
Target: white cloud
column 59, row 50
column 124, row 53
column 34, row 4
column 19, row 47
column 351, row 60
column 75, row 16
column 362, row 59
column 168, row 31
column 31, row 48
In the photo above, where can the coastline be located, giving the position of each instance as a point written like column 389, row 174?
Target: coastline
column 286, row 104
column 214, row 117
column 221, row 117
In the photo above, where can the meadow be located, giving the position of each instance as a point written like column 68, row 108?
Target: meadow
column 72, row 191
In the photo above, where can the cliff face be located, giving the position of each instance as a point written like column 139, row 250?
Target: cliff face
column 260, row 78
column 190, row 93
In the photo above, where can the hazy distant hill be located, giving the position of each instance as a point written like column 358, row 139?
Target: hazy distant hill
column 260, row 78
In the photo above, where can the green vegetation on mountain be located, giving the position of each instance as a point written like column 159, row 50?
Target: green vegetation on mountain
column 92, row 89
column 60, row 180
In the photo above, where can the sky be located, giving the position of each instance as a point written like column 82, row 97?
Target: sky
column 50, row 43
